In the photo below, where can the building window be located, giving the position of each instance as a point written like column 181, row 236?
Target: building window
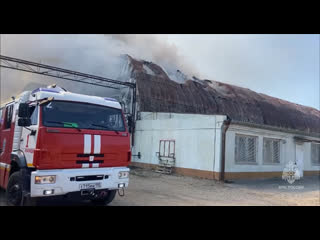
column 315, row 154
column 271, row 151
column 246, row 149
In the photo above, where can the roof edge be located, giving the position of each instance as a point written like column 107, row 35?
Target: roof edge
column 273, row 128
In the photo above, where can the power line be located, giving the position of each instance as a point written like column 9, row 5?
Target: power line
column 47, row 70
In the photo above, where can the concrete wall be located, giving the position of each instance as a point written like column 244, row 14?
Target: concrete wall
column 287, row 151
column 197, row 139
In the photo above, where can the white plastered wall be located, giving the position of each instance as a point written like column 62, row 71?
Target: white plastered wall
column 197, row 139
column 287, row 150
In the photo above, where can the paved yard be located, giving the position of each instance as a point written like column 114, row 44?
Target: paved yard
column 148, row 188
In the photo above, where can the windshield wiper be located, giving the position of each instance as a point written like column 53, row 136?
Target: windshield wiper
column 66, row 124
column 106, row 127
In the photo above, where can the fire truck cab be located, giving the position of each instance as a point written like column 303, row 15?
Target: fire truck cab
column 54, row 142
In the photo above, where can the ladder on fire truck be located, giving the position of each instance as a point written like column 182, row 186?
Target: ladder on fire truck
column 51, row 71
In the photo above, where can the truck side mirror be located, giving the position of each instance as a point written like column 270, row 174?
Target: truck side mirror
column 24, row 122
column 24, row 110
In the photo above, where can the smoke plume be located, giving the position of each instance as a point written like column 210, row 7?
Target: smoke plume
column 93, row 54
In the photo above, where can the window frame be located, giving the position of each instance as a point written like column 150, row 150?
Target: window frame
column 311, row 159
column 256, row 139
column 263, row 159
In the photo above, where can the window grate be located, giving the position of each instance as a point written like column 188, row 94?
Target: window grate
column 246, row 149
column 315, row 153
column 271, row 150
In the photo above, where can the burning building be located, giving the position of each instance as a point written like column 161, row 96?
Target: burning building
column 215, row 130
column 194, row 127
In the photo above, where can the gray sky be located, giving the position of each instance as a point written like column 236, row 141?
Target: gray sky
column 283, row 66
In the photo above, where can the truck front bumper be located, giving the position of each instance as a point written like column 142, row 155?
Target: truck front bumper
column 73, row 180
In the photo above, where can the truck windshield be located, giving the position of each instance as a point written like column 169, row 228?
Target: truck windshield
column 82, row 116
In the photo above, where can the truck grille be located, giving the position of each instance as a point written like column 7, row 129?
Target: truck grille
column 88, row 178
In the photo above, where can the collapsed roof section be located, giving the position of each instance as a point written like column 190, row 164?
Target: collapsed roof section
column 156, row 92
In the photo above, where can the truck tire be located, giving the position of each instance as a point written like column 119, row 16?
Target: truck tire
column 105, row 200
column 14, row 190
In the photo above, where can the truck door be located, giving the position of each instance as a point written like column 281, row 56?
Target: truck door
column 6, row 130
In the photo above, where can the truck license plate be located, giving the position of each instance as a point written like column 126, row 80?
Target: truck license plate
column 89, row 185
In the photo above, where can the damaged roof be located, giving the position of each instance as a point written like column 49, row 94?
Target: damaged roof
column 156, row 92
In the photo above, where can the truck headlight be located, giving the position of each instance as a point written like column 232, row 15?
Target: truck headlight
column 123, row 174
column 45, row 179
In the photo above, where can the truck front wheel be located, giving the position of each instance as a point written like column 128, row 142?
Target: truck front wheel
column 105, row 200
column 14, row 190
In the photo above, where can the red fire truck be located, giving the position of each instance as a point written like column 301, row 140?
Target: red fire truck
column 54, row 142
